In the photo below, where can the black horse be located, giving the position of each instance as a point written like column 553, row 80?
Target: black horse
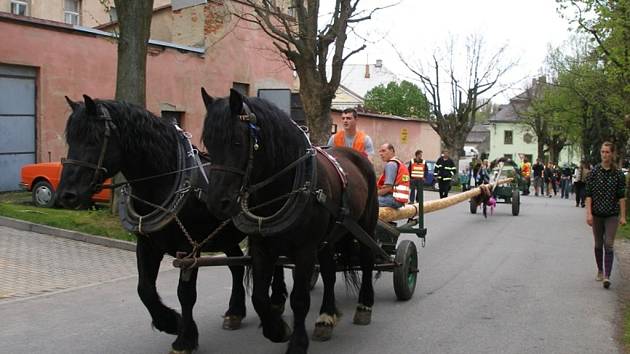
column 162, row 208
column 298, row 195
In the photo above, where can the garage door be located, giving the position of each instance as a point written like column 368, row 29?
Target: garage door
column 17, row 123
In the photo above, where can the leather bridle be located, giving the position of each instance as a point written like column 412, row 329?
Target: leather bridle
column 96, row 185
column 249, row 118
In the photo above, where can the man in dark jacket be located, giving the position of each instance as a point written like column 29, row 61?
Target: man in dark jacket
column 538, row 169
column 444, row 171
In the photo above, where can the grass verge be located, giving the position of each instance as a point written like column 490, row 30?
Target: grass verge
column 98, row 221
column 624, row 231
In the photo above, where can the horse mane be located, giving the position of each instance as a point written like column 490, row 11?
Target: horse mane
column 277, row 134
column 133, row 125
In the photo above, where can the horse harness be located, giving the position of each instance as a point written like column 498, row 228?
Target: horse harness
column 188, row 161
column 299, row 198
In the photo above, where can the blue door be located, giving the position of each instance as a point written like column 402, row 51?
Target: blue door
column 17, row 123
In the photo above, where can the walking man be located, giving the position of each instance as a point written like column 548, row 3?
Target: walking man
column 580, row 183
column 416, row 169
column 445, row 171
column 538, row 169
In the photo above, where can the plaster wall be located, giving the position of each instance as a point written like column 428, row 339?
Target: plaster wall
column 498, row 148
column 72, row 63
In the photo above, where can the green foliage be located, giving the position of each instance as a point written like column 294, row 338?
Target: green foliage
column 404, row 99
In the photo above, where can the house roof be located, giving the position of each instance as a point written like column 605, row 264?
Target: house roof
column 350, row 93
column 353, row 77
column 505, row 114
column 478, row 134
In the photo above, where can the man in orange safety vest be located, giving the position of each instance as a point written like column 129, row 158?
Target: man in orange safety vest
column 350, row 136
column 393, row 185
column 416, row 169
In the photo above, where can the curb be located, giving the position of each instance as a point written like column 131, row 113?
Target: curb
column 72, row 235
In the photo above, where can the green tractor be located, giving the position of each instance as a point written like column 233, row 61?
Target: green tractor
column 506, row 193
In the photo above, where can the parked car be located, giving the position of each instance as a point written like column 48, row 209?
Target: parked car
column 42, row 180
column 429, row 178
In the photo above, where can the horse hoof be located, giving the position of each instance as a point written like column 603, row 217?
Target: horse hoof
column 362, row 316
column 279, row 308
column 322, row 332
column 232, row 322
column 185, row 351
column 281, row 337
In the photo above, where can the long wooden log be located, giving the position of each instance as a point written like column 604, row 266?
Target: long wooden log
column 411, row 210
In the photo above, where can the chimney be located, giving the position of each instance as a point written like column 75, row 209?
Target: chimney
column 379, row 63
column 367, row 71
column 542, row 79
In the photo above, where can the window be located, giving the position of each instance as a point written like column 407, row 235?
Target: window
column 508, row 156
column 241, row 87
column 72, row 12
column 19, row 7
column 174, row 117
column 291, row 11
column 507, row 137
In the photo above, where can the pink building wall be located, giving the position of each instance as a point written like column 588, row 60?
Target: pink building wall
column 72, row 63
column 387, row 129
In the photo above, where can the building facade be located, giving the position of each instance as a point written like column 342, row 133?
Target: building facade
column 510, row 137
column 41, row 61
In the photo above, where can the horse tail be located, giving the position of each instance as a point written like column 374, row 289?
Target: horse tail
column 348, row 250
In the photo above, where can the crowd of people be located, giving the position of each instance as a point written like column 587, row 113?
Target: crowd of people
column 552, row 180
column 600, row 189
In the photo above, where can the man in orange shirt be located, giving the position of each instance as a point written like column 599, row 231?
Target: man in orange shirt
column 351, row 137
column 526, row 171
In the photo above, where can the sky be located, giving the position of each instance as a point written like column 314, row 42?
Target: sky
column 416, row 28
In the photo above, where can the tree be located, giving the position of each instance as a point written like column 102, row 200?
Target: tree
column 134, row 21
column 589, row 95
column 607, row 24
column 454, row 121
column 404, row 99
column 308, row 47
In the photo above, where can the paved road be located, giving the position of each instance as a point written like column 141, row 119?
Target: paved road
column 499, row 285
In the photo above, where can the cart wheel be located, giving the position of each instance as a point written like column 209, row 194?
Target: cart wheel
column 473, row 207
column 314, row 277
column 406, row 274
column 516, row 202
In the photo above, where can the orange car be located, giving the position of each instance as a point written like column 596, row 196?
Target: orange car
column 43, row 178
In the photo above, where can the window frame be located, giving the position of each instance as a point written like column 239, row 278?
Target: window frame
column 20, row 3
column 73, row 14
column 507, row 133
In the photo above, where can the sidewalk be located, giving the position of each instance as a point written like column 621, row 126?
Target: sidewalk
column 34, row 264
